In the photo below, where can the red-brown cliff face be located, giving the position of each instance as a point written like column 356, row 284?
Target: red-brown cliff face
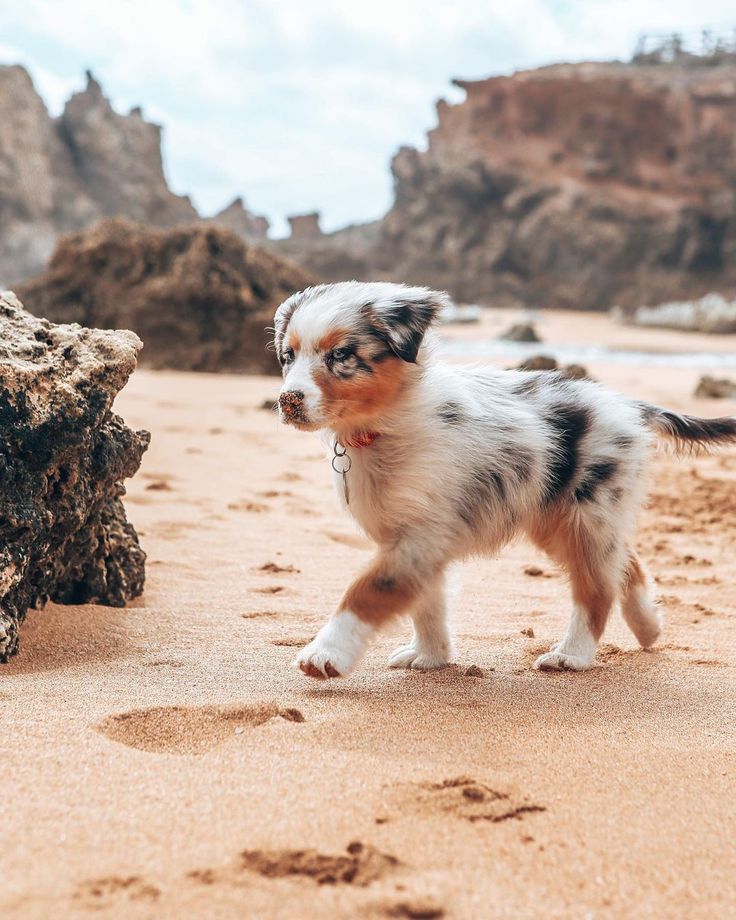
column 578, row 186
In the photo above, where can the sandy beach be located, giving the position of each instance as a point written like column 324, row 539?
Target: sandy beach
column 167, row 761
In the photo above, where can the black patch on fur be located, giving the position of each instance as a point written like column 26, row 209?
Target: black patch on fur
column 452, row 413
column 401, row 325
column 570, row 424
column 407, row 347
column 484, row 488
column 362, row 365
column 623, row 441
column 595, row 475
column 384, row 583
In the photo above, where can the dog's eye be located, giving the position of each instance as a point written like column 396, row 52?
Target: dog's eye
column 287, row 355
column 339, row 354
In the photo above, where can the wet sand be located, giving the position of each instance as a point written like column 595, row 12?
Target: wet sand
column 166, row 760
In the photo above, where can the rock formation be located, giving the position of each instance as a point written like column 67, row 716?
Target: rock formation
column 199, row 297
column 63, row 459
column 237, row 218
column 305, row 226
column 715, row 388
column 584, row 186
column 63, row 174
column 581, row 186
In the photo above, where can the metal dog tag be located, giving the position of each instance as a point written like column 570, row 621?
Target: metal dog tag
column 341, row 463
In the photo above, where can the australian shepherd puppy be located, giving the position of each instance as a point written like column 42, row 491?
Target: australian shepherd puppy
column 438, row 462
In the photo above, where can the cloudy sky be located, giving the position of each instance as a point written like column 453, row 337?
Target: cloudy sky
column 298, row 105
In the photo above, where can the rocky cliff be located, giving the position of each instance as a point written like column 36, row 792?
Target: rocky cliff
column 578, row 186
column 237, row 218
column 61, row 174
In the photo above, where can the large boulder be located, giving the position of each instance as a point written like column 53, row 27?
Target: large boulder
column 199, row 296
column 64, row 456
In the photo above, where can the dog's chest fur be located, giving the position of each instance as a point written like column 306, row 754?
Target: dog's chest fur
column 372, row 484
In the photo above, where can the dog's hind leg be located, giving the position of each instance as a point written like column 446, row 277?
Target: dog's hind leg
column 431, row 646
column 594, row 559
column 637, row 604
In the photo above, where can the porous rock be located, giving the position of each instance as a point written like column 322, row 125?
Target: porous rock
column 64, row 456
column 715, row 388
column 520, row 332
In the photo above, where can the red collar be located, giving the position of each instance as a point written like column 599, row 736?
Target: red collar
column 360, row 439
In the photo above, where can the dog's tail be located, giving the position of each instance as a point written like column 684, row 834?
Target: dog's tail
column 687, row 432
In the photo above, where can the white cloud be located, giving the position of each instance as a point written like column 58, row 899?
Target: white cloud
column 299, row 105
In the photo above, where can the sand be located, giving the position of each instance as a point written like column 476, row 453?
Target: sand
column 166, row 760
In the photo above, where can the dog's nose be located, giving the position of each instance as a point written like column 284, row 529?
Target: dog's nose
column 292, row 402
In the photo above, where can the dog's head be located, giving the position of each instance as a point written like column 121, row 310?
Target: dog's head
column 346, row 350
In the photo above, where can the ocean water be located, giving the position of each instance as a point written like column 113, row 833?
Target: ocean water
column 581, row 354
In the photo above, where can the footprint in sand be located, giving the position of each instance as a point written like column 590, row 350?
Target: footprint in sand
column 249, row 506
column 291, row 477
column 273, row 568
column 159, row 485
column 173, row 530
column 107, row 892
column 413, row 909
column 304, row 510
column 360, row 865
column 256, row 614
column 188, row 730
column 471, row 800
column 291, row 643
column 269, row 589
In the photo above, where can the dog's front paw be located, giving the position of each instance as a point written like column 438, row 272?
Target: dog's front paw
column 320, row 662
column 410, row 656
column 559, row 661
column 336, row 649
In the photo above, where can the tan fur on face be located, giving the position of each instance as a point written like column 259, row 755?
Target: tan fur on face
column 293, row 342
column 360, row 398
column 331, row 340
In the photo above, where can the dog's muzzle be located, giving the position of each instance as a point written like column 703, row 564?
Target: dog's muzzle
column 291, row 404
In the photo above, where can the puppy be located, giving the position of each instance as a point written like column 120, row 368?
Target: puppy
column 437, row 463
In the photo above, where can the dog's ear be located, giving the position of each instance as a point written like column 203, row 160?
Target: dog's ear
column 402, row 318
column 281, row 321
column 283, row 315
